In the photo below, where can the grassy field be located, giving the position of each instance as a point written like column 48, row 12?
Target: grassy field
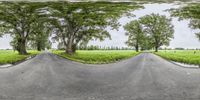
column 9, row 56
column 183, row 56
column 98, row 56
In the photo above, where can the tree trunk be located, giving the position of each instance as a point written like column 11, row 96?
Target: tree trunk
column 69, row 49
column 156, row 49
column 39, row 49
column 137, row 47
column 22, row 46
column 39, row 46
column 74, row 48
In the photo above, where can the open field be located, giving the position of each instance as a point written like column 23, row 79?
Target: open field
column 98, row 56
column 9, row 56
column 183, row 56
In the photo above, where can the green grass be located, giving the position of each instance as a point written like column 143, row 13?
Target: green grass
column 10, row 57
column 97, row 56
column 183, row 56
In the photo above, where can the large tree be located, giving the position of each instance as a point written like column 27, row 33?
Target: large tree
column 78, row 23
column 134, row 31
column 40, row 39
column 17, row 19
column 159, row 29
column 191, row 12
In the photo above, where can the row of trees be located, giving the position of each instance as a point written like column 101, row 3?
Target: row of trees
column 150, row 31
column 92, row 47
column 95, row 47
column 74, row 24
column 153, row 31
column 71, row 24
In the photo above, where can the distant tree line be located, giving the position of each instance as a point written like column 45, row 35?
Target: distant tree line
column 92, row 47
column 178, row 49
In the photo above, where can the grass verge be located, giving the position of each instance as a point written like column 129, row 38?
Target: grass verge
column 97, row 56
column 183, row 56
column 11, row 57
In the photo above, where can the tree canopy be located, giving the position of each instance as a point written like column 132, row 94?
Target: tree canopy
column 191, row 12
column 135, row 34
column 17, row 19
column 149, row 31
column 158, row 28
column 72, row 23
column 78, row 23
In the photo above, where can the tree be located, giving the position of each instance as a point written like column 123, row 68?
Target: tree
column 78, row 23
column 146, row 43
column 17, row 19
column 198, row 35
column 158, row 28
column 195, row 24
column 192, row 12
column 40, row 39
column 134, row 31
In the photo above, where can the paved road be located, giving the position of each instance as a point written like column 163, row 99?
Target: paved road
column 144, row 77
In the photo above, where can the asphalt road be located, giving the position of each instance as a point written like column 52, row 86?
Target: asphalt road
column 144, row 77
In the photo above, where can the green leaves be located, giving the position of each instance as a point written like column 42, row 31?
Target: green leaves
column 198, row 35
column 158, row 27
column 18, row 19
column 135, row 33
column 73, row 23
column 192, row 12
column 80, row 22
column 153, row 29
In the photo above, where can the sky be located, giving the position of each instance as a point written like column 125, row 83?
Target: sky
column 184, row 37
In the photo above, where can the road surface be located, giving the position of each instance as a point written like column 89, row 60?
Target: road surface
column 144, row 77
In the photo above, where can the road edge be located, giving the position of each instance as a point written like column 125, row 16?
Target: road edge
column 18, row 62
column 82, row 62
column 173, row 62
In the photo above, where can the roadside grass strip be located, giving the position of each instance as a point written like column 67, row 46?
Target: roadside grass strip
column 11, row 57
column 191, row 57
column 97, row 56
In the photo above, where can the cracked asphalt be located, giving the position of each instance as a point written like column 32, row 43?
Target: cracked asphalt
column 144, row 77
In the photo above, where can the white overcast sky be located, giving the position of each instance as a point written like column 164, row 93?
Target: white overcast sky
column 183, row 36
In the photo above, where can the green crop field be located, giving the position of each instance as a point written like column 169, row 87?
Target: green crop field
column 183, row 56
column 98, row 56
column 9, row 56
